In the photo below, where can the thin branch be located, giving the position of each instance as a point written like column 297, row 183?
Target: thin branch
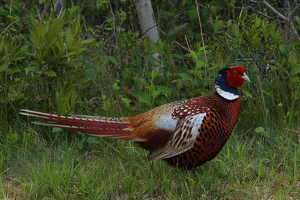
column 294, row 30
column 272, row 9
column 16, row 4
column 263, row 14
column 201, row 30
column 175, row 41
column 98, row 14
column 187, row 42
column 115, row 34
column 241, row 14
column 9, row 26
column 294, row 11
column 59, row 6
column 113, row 15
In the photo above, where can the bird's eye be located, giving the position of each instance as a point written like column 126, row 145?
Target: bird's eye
column 234, row 72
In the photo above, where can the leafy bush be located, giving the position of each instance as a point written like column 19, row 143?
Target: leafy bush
column 48, row 66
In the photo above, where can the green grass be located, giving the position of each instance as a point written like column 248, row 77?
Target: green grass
column 249, row 167
column 38, row 162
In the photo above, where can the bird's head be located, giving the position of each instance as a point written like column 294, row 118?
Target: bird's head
column 229, row 80
column 235, row 76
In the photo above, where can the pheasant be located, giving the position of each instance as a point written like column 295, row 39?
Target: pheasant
column 185, row 133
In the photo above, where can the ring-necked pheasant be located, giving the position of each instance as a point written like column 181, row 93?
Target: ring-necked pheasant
column 183, row 133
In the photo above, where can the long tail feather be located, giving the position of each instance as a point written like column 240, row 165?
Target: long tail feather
column 97, row 126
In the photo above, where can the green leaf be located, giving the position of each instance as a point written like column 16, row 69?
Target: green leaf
column 51, row 73
column 297, row 71
column 268, row 93
column 170, row 36
column 20, row 96
column 14, row 137
column 2, row 68
column 259, row 130
column 13, row 29
column 155, row 93
column 179, row 84
column 41, row 80
column 126, row 101
column 142, row 96
column 32, row 69
column 218, row 25
column 87, row 41
column 13, row 71
column 78, row 51
column 247, row 94
column 294, row 80
column 165, row 14
column 193, row 15
column 194, row 55
column 165, row 89
column 274, row 67
column 93, row 140
column 57, row 25
column 115, row 86
column 257, row 22
column 284, row 49
column 200, row 63
column 21, row 86
column 220, row 4
column 214, row 10
column 155, row 74
column 73, row 9
column 151, row 87
column 19, row 58
column 70, row 94
column 112, row 59
column 55, row 130
column 69, row 36
column 91, row 73
column 185, row 76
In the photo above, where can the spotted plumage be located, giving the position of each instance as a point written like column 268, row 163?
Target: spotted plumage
column 185, row 133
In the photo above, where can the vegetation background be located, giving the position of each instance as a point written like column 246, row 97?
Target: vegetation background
column 90, row 57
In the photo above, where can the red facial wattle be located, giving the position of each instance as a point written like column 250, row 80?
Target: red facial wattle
column 234, row 76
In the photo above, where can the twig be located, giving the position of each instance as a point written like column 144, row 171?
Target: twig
column 201, row 29
column 292, row 130
column 9, row 26
column 294, row 11
column 175, row 41
column 115, row 34
column 21, row 17
column 83, row 5
column 187, row 42
column 241, row 14
column 272, row 9
column 58, row 5
column 201, row 34
column 98, row 13
column 263, row 14
column 16, row 4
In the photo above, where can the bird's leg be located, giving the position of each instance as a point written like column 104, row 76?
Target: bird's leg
column 193, row 170
column 196, row 174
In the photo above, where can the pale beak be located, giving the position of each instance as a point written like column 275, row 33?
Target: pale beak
column 245, row 77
